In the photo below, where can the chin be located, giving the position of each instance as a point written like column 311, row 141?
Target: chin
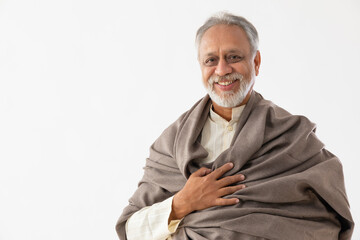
column 231, row 99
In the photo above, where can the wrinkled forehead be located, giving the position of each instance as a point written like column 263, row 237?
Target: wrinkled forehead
column 223, row 38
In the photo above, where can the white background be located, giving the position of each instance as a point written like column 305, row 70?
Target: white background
column 86, row 86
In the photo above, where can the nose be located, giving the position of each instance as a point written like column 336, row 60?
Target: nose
column 223, row 68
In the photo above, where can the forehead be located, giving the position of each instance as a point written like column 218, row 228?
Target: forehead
column 222, row 39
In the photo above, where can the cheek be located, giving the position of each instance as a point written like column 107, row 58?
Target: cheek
column 244, row 69
column 206, row 74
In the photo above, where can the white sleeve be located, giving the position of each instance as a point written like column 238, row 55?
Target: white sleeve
column 152, row 222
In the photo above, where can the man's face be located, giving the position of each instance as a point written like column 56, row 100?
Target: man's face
column 227, row 64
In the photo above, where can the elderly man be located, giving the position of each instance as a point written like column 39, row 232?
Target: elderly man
column 236, row 166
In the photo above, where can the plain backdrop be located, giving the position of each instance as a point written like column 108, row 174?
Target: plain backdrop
column 86, row 86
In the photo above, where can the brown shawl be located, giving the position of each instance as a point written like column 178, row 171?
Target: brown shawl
column 295, row 187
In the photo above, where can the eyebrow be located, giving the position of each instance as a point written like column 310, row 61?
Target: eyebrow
column 235, row 51
column 229, row 51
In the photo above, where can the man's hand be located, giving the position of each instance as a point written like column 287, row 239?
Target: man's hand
column 205, row 189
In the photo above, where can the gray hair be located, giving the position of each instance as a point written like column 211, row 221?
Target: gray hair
column 230, row 19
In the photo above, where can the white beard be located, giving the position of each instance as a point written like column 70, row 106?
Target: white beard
column 229, row 99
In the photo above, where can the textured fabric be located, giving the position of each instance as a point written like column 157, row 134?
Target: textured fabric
column 295, row 187
column 216, row 137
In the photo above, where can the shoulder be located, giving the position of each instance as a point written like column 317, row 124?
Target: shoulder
column 169, row 135
column 297, row 131
column 277, row 115
column 178, row 124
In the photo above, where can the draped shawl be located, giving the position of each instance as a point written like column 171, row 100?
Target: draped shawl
column 295, row 187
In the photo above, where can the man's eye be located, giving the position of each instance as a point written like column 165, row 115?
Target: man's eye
column 210, row 61
column 234, row 58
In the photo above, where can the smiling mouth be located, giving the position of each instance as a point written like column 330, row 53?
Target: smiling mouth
column 226, row 82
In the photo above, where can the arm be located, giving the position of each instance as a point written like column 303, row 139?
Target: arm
column 151, row 222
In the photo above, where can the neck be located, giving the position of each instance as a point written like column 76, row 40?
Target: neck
column 226, row 113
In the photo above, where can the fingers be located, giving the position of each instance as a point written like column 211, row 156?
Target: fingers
column 217, row 173
column 225, row 202
column 201, row 172
column 229, row 190
column 226, row 181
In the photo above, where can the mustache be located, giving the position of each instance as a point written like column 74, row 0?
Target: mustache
column 232, row 77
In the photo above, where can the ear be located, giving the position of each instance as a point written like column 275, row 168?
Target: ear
column 257, row 61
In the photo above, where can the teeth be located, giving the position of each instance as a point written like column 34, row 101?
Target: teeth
column 225, row 83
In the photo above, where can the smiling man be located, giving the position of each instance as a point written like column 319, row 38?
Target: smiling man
column 228, row 65
column 236, row 166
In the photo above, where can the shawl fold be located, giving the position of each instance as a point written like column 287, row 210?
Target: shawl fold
column 295, row 187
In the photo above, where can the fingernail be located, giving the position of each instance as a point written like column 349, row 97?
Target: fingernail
column 231, row 164
column 242, row 177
